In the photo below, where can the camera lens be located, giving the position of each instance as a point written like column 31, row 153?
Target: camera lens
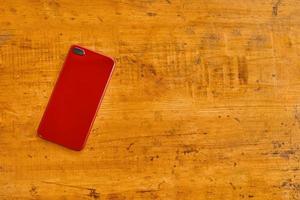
column 78, row 51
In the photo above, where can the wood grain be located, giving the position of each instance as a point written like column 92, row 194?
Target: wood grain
column 203, row 103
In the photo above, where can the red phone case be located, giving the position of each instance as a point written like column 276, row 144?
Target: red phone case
column 76, row 97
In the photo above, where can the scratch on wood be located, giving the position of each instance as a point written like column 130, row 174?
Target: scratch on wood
column 93, row 194
column 115, row 196
column 146, row 191
column 10, row 111
column 297, row 116
column 65, row 185
column 290, row 185
column 160, row 185
column 33, row 190
column 243, row 70
column 286, row 154
column 151, row 14
column 4, row 38
column 100, row 19
column 237, row 119
column 275, row 8
column 129, row 146
column 54, row 4
column 233, row 187
column 187, row 149
column 150, row 136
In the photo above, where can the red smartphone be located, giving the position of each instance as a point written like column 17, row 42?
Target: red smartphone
column 76, row 97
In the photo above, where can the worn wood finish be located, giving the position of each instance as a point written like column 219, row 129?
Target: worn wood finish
column 203, row 104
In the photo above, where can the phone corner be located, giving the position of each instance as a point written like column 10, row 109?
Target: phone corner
column 78, row 148
column 40, row 135
column 38, row 131
column 112, row 60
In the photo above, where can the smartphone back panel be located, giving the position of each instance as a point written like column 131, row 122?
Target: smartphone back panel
column 76, row 97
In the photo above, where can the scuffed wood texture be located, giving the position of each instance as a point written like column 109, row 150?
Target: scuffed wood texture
column 203, row 104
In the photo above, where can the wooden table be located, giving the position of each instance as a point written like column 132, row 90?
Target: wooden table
column 204, row 102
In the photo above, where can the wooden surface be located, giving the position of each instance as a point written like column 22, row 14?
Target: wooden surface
column 204, row 102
